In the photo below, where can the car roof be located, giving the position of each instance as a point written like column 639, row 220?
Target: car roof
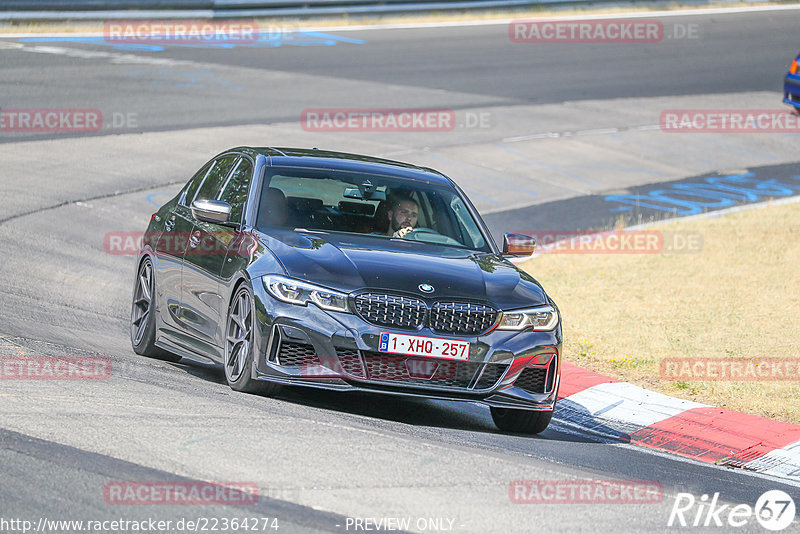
column 305, row 157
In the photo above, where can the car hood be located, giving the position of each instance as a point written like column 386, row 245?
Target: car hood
column 352, row 262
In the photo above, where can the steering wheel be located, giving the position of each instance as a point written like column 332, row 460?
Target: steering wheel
column 417, row 232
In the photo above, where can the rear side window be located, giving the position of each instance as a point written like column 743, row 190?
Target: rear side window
column 214, row 179
column 236, row 187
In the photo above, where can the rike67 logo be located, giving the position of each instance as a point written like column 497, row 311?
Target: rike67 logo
column 774, row 510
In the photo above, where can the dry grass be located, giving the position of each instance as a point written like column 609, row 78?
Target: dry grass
column 739, row 297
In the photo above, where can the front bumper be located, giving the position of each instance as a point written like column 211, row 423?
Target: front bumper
column 307, row 346
column 791, row 90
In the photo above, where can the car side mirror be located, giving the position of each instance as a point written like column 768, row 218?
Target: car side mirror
column 213, row 211
column 518, row 244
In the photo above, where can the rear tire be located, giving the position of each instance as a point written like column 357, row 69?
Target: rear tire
column 521, row 421
column 143, row 317
column 240, row 347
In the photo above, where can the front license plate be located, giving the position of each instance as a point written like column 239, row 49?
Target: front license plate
column 431, row 347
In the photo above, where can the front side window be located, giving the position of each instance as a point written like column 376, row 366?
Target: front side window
column 376, row 205
column 466, row 223
column 213, row 181
column 191, row 188
column 236, row 188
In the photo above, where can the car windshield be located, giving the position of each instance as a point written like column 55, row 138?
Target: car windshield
column 369, row 204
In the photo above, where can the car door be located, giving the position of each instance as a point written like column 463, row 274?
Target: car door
column 236, row 243
column 201, row 301
column 169, row 247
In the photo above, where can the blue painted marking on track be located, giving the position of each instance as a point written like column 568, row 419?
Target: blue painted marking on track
column 95, row 41
column 151, row 195
column 714, row 192
column 266, row 39
column 337, row 38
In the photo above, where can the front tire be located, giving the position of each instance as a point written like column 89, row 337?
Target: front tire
column 521, row 421
column 240, row 347
column 143, row 317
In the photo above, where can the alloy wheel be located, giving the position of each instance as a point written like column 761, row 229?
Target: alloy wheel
column 142, row 302
column 239, row 336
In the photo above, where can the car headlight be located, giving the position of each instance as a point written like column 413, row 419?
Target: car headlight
column 301, row 293
column 543, row 318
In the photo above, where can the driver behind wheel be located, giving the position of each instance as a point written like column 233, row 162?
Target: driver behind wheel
column 403, row 215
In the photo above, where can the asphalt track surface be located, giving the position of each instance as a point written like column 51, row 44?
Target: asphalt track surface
column 567, row 126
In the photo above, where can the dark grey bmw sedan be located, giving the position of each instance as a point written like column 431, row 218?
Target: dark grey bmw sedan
column 345, row 272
